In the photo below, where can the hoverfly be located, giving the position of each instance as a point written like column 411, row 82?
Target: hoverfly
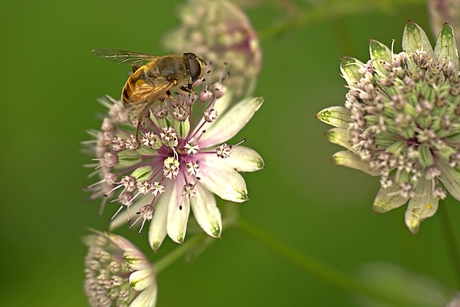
column 153, row 78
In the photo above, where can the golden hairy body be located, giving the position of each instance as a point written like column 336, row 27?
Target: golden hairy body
column 153, row 78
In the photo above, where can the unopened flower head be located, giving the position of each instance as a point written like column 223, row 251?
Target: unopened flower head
column 179, row 161
column 220, row 32
column 117, row 273
column 401, row 121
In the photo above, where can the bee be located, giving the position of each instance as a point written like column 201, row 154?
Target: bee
column 153, row 78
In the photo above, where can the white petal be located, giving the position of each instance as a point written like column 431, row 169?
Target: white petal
column 130, row 250
column 178, row 212
column 243, row 159
column 230, row 123
column 206, row 212
column 223, row 102
column 157, row 230
column 221, row 105
column 388, row 199
column 147, row 298
column 140, row 280
column 93, row 239
column 223, row 181
column 422, row 205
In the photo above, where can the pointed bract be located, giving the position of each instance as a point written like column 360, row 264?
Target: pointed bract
column 340, row 137
column 388, row 199
column 446, row 46
column 349, row 67
column 380, row 51
column 421, row 206
column 178, row 155
column 335, row 116
column 349, row 159
column 415, row 39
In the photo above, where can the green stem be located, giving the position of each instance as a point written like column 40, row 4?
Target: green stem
column 177, row 253
column 318, row 269
column 452, row 246
column 331, row 10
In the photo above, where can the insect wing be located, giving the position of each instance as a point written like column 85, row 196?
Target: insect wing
column 123, row 56
column 143, row 97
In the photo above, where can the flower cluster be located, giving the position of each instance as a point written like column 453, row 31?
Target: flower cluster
column 178, row 161
column 117, row 273
column 220, row 32
column 401, row 121
column 455, row 302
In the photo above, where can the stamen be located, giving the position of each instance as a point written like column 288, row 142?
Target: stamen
column 210, row 115
column 189, row 190
column 126, row 201
column 145, row 213
column 192, row 168
column 191, row 147
column 169, row 137
column 223, row 151
column 157, row 188
column 171, row 168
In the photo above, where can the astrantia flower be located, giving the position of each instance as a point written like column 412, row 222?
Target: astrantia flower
column 117, row 273
column 220, row 32
column 455, row 302
column 179, row 162
column 401, row 121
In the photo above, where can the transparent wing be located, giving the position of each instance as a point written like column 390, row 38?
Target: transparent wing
column 123, row 56
column 143, row 97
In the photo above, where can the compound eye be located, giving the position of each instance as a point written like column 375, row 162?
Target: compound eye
column 194, row 66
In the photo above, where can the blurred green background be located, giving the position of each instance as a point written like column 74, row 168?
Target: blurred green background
column 50, row 82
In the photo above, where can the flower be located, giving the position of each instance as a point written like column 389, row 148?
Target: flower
column 409, row 288
column 179, row 162
column 444, row 11
column 220, row 32
column 117, row 273
column 455, row 302
column 401, row 122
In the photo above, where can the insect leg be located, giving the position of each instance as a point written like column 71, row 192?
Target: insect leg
column 188, row 89
column 137, row 128
column 135, row 67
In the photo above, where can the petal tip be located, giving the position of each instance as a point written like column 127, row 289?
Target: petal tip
column 155, row 246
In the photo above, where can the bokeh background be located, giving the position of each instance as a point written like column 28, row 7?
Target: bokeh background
column 49, row 85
